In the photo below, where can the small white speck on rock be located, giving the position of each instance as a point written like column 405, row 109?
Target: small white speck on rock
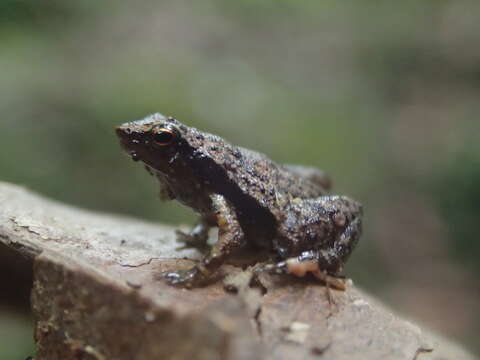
column 360, row 302
column 297, row 332
column 149, row 316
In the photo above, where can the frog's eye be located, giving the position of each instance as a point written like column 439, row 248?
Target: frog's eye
column 164, row 136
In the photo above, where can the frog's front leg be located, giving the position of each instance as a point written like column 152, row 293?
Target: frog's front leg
column 230, row 238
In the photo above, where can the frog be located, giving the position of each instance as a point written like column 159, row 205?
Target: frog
column 284, row 210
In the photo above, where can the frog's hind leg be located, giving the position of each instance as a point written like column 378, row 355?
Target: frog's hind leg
column 324, row 231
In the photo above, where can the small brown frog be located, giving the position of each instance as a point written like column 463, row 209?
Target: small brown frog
column 253, row 201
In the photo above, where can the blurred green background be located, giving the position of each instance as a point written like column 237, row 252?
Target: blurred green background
column 382, row 95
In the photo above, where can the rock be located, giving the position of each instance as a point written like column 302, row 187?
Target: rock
column 97, row 295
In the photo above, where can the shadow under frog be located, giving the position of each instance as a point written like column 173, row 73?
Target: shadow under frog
column 252, row 200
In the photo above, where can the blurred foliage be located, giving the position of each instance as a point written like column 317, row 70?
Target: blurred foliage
column 382, row 95
column 458, row 195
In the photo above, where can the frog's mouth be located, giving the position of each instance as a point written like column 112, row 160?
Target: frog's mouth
column 132, row 153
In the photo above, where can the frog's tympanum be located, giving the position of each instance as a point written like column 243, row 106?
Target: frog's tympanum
column 255, row 203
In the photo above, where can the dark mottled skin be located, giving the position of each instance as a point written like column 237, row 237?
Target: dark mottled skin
column 252, row 200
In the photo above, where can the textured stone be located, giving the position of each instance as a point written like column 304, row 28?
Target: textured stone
column 97, row 295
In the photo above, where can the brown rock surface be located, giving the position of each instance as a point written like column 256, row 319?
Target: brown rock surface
column 96, row 295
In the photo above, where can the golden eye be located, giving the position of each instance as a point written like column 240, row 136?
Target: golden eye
column 164, row 137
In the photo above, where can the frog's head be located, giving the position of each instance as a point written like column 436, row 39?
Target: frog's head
column 156, row 141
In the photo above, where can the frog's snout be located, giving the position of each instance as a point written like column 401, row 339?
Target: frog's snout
column 128, row 138
column 123, row 130
column 122, row 135
column 129, row 134
column 128, row 143
column 118, row 131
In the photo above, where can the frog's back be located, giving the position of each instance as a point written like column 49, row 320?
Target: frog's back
column 280, row 179
column 253, row 173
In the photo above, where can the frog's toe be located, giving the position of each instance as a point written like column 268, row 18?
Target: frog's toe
column 172, row 277
column 190, row 241
column 184, row 237
column 186, row 278
column 278, row 268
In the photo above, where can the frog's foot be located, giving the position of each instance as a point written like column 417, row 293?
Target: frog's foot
column 303, row 264
column 194, row 277
column 299, row 267
column 335, row 282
